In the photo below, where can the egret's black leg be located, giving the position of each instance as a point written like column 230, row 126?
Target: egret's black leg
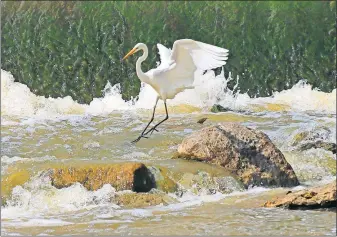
column 142, row 134
column 155, row 126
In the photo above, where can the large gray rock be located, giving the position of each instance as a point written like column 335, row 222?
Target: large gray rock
column 248, row 153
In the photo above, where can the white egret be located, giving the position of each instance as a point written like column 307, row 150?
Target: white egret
column 176, row 70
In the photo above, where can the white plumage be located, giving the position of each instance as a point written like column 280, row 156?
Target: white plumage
column 176, row 71
column 164, row 54
column 177, row 67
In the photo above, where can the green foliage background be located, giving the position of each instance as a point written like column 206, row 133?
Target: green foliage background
column 74, row 48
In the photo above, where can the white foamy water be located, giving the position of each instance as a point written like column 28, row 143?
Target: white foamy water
column 38, row 199
column 302, row 97
column 17, row 100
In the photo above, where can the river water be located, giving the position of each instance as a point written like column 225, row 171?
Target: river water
column 38, row 133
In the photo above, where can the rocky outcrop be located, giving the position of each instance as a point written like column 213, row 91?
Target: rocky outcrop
column 312, row 198
column 122, row 176
column 248, row 153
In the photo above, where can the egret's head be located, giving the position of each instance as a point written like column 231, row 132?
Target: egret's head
column 135, row 49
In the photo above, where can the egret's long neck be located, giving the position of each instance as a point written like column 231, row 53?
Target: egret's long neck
column 141, row 75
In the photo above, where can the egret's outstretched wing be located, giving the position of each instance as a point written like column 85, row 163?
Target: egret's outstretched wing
column 188, row 56
column 203, row 56
column 165, row 55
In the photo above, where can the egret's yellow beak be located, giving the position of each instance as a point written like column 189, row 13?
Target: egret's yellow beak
column 132, row 51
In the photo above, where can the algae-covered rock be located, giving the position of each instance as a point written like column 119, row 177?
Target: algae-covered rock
column 162, row 179
column 136, row 200
column 312, row 198
column 122, row 176
column 299, row 137
column 246, row 152
column 218, row 108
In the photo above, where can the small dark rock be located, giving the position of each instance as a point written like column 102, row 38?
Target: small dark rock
column 202, row 120
column 219, row 108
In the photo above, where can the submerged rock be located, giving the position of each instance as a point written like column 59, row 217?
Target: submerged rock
column 248, row 153
column 184, row 176
column 328, row 146
column 122, row 176
column 314, row 138
column 312, row 198
column 202, row 183
column 228, row 184
column 312, row 134
column 137, row 200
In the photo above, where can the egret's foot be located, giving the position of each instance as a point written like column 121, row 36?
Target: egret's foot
column 141, row 136
column 151, row 130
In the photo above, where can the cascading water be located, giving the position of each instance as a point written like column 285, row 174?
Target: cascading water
column 39, row 133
